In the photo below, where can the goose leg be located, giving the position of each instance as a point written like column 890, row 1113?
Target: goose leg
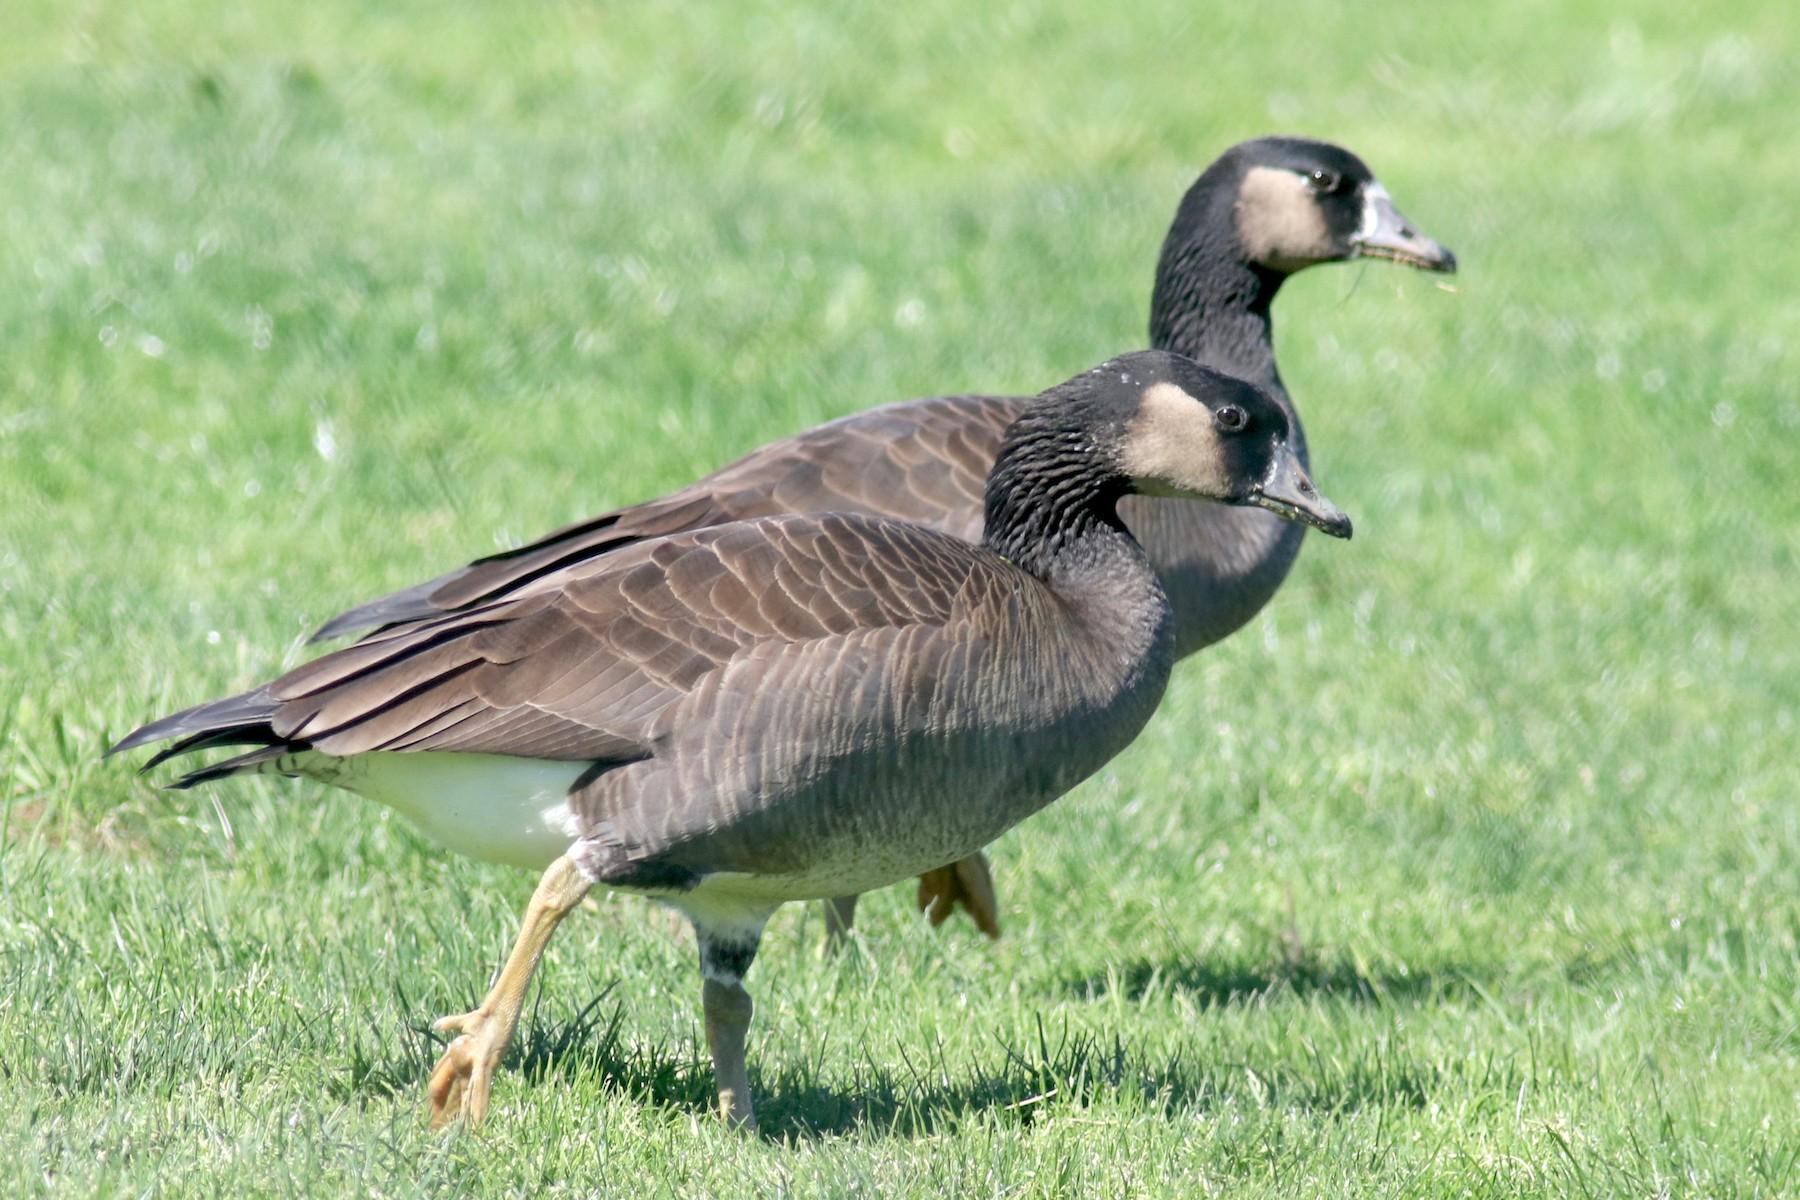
column 840, row 915
column 967, row 883
column 464, row 1075
column 728, row 1008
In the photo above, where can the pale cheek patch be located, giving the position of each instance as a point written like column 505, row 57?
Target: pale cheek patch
column 1171, row 444
column 1279, row 221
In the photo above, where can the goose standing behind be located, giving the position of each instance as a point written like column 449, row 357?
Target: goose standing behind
column 1265, row 209
column 787, row 708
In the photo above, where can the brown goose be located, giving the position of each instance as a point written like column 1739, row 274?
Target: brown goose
column 1265, row 209
column 786, row 708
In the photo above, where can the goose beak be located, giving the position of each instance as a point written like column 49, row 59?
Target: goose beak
column 1385, row 233
column 1289, row 493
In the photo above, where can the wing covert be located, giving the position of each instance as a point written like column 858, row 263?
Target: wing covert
column 922, row 461
column 579, row 666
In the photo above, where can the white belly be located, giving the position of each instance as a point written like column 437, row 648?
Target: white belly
column 483, row 806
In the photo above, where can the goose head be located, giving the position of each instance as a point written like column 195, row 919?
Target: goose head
column 1297, row 202
column 1185, row 430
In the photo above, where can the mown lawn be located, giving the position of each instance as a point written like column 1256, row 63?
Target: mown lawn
column 1471, row 869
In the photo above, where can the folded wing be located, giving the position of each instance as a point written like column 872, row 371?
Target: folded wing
column 580, row 667
column 924, row 462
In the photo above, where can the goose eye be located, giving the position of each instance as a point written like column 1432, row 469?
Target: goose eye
column 1324, row 182
column 1231, row 419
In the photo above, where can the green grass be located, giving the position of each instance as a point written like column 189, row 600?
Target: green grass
column 1472, row 868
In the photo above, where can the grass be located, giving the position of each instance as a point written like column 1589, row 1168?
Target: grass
column 1472, row 868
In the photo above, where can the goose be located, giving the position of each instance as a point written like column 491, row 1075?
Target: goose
column 786, row 708
column 1263, row 210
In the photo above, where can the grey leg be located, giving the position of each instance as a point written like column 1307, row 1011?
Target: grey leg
column 840, row 915
column 723, row 961
column 728, row 1010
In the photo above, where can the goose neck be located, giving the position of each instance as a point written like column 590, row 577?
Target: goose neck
column 1213, row 306
column 1052, row 507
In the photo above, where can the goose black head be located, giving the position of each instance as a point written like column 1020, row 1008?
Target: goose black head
column 1188, row 430
column 1152, row 422
column 1296, row 202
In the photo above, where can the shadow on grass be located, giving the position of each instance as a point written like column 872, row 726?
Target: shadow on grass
column 1219, row 983
column 927, row 1093
column 1060, row 1070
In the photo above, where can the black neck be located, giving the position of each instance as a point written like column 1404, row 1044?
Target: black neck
column 1052, row 500
column 1213, row 306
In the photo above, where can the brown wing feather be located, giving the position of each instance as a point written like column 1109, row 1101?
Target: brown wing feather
column 581, row 669
column 924, row 461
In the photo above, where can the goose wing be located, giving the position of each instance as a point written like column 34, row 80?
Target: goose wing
column 923, row 461
column 583, row 670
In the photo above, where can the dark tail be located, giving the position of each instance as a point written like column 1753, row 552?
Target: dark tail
column 235, row 721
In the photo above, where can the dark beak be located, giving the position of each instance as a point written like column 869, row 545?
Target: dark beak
column 1387, row 234
column 1287, row 492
